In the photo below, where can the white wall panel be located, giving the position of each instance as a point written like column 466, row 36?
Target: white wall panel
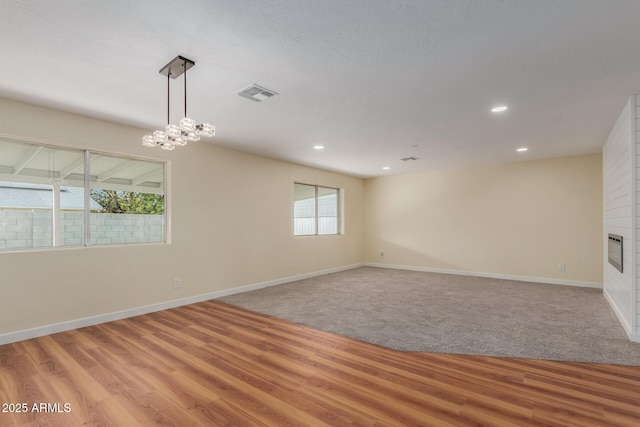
column 619, row 197
column 635, row 132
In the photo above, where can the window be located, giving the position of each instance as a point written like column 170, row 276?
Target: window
column 130, row 195
column 59, row 197
column 315, row 210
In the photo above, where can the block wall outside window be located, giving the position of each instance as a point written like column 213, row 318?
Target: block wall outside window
column 131, row 213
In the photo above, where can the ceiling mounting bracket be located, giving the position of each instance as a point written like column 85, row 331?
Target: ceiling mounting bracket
column 177, row 67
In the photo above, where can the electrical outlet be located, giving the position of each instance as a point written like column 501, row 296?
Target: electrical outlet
column 177, row 283
column 562, row 266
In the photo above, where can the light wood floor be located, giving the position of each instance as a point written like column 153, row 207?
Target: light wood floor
column 211, row 364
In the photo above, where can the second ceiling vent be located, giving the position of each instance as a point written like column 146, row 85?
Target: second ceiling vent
column 256, row 93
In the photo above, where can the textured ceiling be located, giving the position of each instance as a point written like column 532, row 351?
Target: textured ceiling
column 373, row 81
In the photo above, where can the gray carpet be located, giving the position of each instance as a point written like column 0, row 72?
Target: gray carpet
column 417, row 311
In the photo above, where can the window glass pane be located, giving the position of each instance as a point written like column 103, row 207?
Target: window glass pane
column 41, row 196
column 304, row 209
column 327, row 210
column 127, row 200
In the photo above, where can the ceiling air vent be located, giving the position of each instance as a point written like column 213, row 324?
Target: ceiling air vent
column 406, row 159
column 256, row 93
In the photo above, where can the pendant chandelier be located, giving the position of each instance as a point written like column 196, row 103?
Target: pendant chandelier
column 188, row 130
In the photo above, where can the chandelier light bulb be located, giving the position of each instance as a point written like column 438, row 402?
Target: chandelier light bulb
column 173, row 131
column 191, row 136
column 169, row 146
column 187, row 124
column 149, row 141
column 179, row 141
column 160, row 136
column 205, row 129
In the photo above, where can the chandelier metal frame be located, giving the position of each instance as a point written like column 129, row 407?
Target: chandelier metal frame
column 188, row 130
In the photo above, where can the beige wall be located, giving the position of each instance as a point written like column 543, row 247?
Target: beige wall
column 231, row 226
column 519, row 219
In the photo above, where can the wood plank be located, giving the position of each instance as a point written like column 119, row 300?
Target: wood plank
column 214, row 364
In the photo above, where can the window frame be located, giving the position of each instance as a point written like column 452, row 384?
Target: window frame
column 339, row 230
column 87, row 182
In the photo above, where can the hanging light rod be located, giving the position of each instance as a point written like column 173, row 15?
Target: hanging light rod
column 188, row 130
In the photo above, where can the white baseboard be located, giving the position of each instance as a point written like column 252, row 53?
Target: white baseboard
column 625, row 325
column 110, row 317
column 551, row 281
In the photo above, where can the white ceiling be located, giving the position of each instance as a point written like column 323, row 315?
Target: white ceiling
column 374, row 81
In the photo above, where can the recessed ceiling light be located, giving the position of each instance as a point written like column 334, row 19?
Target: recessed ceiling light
column 318, row 147
column 499, row 109
column 522, row 149
column 386, row 168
